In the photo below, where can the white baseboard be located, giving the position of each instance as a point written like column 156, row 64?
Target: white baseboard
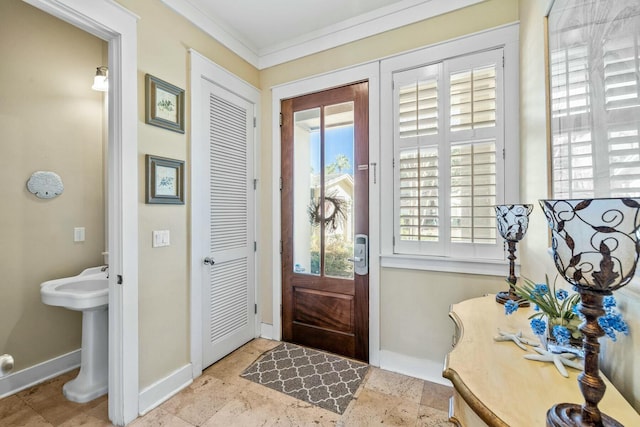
column 25, row 378
column 424, row 369
column 266, row 331
column 163, row 389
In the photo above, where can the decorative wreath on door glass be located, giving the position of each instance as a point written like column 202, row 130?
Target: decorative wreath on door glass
column 334, row 211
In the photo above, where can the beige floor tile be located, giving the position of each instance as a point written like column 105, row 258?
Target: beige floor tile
column 21, row 415
column 160, row 418
column 9, row 405
column 431, row 417
column 100, row 411
column 25, row 419
column 393, row 384
column 373, row 407
column 48, row 400
column 261, row 345
column 436, row 395
column 203, row 398
column 232, row 365
column 85, row 420
column 248, row 408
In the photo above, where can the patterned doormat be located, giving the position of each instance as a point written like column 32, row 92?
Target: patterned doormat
column 316, row 377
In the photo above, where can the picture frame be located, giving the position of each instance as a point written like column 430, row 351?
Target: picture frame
column 164, row 104
column 164, row 181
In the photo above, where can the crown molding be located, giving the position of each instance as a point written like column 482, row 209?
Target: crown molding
column 377, row 21
column 209, row 25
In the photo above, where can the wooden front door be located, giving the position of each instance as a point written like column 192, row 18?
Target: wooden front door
column 325, row 220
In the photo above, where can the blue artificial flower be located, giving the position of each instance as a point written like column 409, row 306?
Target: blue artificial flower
column 510, row 307
column 538, row 326
column 577, row 312
column 612, row 323
column 609, row 301
column 536, row 307
column 561, row 334
column 541, row 289
column 561, row 294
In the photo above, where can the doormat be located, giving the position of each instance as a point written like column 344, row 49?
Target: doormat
column 322, row 379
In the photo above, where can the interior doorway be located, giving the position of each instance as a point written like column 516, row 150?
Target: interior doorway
column 114, row 24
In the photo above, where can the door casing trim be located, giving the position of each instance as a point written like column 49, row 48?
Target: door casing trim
column 113, row 23
column 204, row 68
column 370, row 72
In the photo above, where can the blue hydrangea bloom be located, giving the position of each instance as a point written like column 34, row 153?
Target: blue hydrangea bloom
column 612, row 323
column 561, row 294
column 577, row 312
column 510, row 307
column 541, row 289
column 609, row 301
column 561, row 334
column 538, row 326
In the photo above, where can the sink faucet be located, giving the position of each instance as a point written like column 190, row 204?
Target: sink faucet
column 105, row 268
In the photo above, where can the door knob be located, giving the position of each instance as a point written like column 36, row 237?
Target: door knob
column 209, row 261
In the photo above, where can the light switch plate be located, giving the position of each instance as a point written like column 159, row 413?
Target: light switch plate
column 78, row 234
column 161, row 238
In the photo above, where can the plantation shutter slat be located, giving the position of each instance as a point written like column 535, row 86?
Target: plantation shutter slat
column 418, row 109
column 419, row 219
column 472, row 97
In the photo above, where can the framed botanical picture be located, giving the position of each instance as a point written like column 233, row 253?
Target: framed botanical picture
column 165, row 181
column 164, row 104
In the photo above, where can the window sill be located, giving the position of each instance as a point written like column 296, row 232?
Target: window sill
column 485, row 267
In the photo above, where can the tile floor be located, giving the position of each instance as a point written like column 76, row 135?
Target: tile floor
column 220, row 397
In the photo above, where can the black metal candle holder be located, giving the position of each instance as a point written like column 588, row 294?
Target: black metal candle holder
column 595, row 248
column 512, row 221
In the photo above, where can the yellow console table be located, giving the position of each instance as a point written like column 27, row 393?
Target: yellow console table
column 494, row 385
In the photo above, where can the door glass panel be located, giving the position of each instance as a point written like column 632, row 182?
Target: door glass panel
column 338, row 156
column 306, row 194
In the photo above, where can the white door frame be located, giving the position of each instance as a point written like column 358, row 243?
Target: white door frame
column 116, row 25
column 203, row 68
column 370, row 72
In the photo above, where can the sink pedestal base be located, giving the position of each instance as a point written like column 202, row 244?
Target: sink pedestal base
column 92, row 381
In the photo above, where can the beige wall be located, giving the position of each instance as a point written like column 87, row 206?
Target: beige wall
column 620, row 361
column 164, row 39
column 414, row 309
column 50, row 119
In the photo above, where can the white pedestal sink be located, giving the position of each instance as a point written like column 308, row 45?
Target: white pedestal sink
column 87, row 292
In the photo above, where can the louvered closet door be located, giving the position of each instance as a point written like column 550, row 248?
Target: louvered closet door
column 229, row 288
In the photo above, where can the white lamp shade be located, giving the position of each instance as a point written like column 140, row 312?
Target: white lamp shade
column 100, row 83
column 101, row 80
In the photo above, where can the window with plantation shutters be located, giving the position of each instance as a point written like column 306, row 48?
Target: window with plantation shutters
column 595, row 102
column 448, row 175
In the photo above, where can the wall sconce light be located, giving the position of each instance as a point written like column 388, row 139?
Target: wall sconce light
column 101, row 80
